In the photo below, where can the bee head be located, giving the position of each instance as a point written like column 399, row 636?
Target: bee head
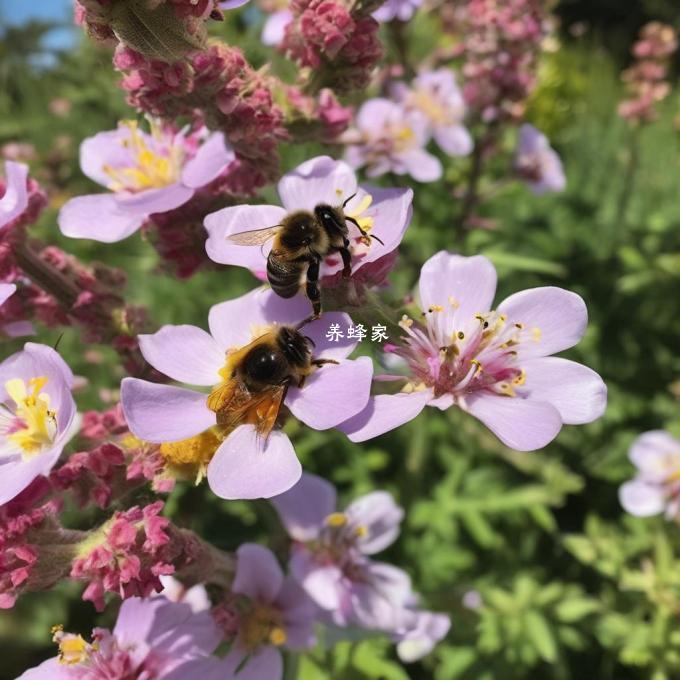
column 329, row 217
column 294, row 346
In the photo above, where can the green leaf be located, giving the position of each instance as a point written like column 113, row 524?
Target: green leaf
column 540, row 635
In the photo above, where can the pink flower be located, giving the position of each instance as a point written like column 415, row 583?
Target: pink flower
column 436, row 97
column 37, row 412
column 383, row 213
column 329, row 554
column 389, row 138
column 421, row 632
column 494, row 364
column 656, row 487
column 403, row 10
column 145, row 174
column 537, row 163
column 14, row 199
column 240, row 463
column 152, row 638
column 276, row 614
column 274, row 29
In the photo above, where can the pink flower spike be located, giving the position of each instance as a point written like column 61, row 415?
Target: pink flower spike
column 494, row 364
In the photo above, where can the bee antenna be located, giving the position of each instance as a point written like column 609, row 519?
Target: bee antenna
column 349, row 199
column 375, row 238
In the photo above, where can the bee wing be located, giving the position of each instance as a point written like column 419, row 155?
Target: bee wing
column 235, row 405
column 255, row 237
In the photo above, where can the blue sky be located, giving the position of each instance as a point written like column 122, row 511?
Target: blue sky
column 17, row 12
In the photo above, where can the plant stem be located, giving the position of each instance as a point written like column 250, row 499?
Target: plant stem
column 630, row 174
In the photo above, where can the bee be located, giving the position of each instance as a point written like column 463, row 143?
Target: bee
column 301, row 241
column 257, row 378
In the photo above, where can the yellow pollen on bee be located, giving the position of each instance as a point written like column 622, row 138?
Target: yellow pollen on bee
column 151, row 170
column 37, row 423
column 190, row 457
column 336, row 520
column 536, row 334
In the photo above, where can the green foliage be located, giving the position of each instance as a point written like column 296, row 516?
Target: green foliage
column 570, row 587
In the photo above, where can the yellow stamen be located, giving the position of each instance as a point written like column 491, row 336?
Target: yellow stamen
column 72, row 648
column 278, row 636
column 151, row 169
column 361, row 531
column 336, row 520
column 37, row 424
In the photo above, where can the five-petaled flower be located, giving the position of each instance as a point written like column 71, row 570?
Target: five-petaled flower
column 656, row 487
column 435, row 96
column 152, row 638
column 383, row 213
column 494, row 364
column 37, row 413
column 240, row 463
column 144, row 173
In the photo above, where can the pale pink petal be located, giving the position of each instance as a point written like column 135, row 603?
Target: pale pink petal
column 152, row 201
column 233, row 4
column 521, row 424
column 303, row 508
column 6, row 291
column 234, row 220
column 319, row 180
column 642, row 499
column 52, row 669
column 212, row 157
column 266, row 663
column 454, row 140
column 258, row 574
column 559, row 316
column 299, row 614
column 106, row 149
column 16, row 474
column 380, row 516
column 321, row 583
column 184, row 353
column 324, row 346
column 98, row 217
column 392, row 211
column 275, row 27
column 656, row 454
column 576, row 391
column 15, row 198
column 332, row 394
column 164, row 413
column 422, row 166
column 247, row 466
column 235, row 323
column 383, row 413
column 461, row 287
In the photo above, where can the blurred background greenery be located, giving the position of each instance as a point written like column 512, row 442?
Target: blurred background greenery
column 543, row 574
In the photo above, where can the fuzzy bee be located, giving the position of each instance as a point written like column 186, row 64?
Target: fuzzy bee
column 301, row 241
column 257, row 377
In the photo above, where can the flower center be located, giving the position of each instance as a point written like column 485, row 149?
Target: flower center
column 156, row 161
column 403, row 138
column 30, row 425
column 484, row 356
column 72, row 648
column 262, row 624
column 189, row 458
column 433, row 108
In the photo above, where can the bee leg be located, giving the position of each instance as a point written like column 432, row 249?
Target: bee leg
column 313, row 292
column 365, row 236
column 346, row 260
column 322, row 362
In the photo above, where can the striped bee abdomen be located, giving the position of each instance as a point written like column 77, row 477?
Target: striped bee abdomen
column 284, row 276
